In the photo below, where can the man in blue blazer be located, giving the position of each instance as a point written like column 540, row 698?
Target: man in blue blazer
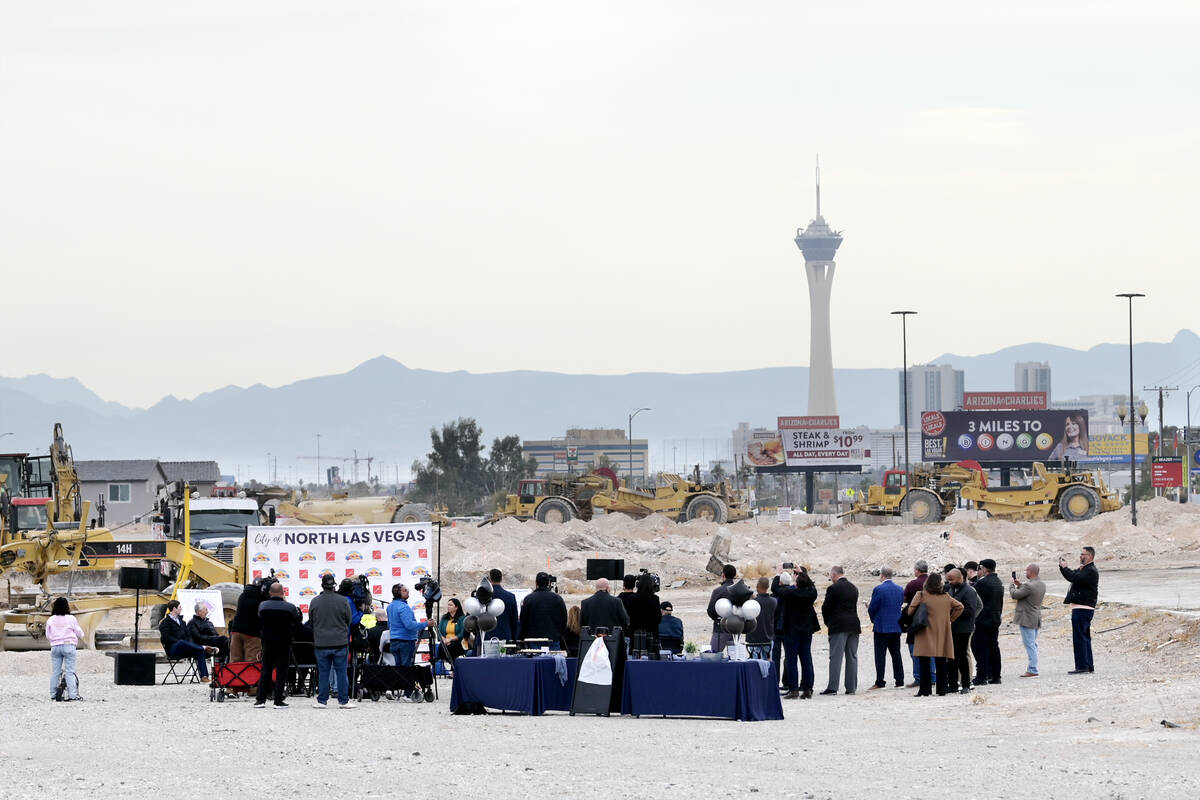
column 507, row 624
column 884, row 611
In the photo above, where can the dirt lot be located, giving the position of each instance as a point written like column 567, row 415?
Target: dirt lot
column 1052, row 736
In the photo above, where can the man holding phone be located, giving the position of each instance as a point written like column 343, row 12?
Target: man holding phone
column 1029, row 594
column 1081, row 597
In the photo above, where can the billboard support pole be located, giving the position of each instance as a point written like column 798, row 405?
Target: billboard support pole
column 1132, row 417
column 904, row 349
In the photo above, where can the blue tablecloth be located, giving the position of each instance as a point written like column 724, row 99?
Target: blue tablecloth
column 730, row 689
column 512, row 683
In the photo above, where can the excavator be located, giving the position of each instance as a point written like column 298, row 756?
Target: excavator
column 68, row 544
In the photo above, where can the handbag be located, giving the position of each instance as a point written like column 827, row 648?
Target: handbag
column 920, row 620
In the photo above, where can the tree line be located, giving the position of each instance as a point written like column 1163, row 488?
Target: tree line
column 456, row 474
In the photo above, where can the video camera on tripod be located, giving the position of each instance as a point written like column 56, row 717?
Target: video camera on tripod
column 431, row 590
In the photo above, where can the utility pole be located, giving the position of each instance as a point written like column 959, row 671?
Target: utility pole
column 1161, row 428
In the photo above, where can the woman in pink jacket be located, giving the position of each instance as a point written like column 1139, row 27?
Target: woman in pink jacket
column 63, row 631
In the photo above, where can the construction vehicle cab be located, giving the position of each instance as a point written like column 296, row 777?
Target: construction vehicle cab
column 28, row 514
column 893, row 481
column 530, row 489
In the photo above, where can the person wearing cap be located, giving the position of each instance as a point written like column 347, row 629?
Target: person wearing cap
column 330, row 617
column 670, row 626
column 985, row 643
column 543, row 613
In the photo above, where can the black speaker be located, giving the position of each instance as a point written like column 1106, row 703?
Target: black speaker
column 611, row 568
column 144, row 578
column 134, row 669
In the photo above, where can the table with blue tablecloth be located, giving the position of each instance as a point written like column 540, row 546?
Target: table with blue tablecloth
column 726, row 689
column 514, row 683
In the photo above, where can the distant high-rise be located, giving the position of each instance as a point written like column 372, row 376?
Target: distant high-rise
column 931, row 388
column 819, row 243
column 1032, row 376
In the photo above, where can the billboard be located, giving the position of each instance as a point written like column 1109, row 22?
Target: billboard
column 765, row 449
column 805, row 446
column 1005, row 401
column 1113, row 448
column 301, row 554
column 1166, row 472
column 1033, row 435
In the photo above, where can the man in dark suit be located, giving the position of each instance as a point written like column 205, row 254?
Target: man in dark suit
column 840, row 612
column 508, row 623
column 985, row 643
column 278, row 618
column 177, row 641
column 543, row 613
column 602, row 610
column 1082, row 597
column 719, row 637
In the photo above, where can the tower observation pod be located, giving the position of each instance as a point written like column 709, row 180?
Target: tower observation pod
column 819, row 244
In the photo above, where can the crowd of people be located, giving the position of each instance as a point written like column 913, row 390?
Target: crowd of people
column 950, row 621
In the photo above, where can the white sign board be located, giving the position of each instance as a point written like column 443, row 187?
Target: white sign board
column 784, row 514
column 188, row 598
column 301, row 554
column 816, row 447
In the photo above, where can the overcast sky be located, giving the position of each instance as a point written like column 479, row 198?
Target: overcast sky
column 203, row 194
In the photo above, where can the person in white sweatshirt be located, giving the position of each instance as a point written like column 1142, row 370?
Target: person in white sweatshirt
column 63, row 631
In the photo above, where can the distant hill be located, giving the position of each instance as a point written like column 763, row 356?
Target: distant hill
column 385, row 409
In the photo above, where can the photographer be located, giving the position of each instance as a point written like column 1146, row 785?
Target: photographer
column 245, row 642
column 543, row 613
column 403, row 627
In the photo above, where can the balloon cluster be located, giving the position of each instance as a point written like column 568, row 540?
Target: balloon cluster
column 482, row 609
column 739, row 611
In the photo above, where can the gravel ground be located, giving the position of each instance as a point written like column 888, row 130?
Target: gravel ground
column 1053, row 736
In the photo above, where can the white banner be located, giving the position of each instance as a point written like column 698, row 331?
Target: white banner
column 301, row 554
column 212, row 597
column 815, row 447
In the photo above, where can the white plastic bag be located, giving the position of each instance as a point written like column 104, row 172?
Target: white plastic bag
column 595, row 667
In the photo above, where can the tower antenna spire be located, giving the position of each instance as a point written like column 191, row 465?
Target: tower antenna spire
column 818, row 184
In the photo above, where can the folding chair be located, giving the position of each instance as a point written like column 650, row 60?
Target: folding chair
column 302, row 671
column 181, row 670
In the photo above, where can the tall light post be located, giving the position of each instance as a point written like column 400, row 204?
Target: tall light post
column 1132, row 426
column 1187, row 448
column 631, row 416
column 904, row 349
column 319, row 482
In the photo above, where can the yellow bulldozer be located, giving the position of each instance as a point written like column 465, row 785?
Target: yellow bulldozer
column 566, row 497
column 1070, row 494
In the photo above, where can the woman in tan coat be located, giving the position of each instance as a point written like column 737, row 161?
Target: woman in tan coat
column 934, row 643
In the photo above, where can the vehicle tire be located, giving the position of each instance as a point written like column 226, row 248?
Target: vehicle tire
column 1078, row 503
column 707, row 507
column 553, row 511
column 925, row 506
column 156, row 614
column 412, row 512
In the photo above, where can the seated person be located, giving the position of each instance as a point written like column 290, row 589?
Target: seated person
column 453, row 629
column 203, row 632
column 375, row 634
column 670, row 628
column 386, row 656
column 177, row 642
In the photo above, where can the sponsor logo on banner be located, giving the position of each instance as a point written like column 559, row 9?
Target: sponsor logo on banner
column 420, row 572
column 330, row 555
column 303, row 574
column 354, row 555
column 377, row 555
column 422, row 553
column 373, row 572
column 307, row 591
column 397, row 572
column 349, row 573
column 325, row 572
column 400, row 555
column 257, row 573
column 376, row 589
column 259, row 558
column 282, row 574
column 308, row 555
column 285, row 591
column 283, row 557
column 304, row 608
column 933, row 423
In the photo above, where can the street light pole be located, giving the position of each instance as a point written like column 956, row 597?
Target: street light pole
column 631, row 416
column 904, row 345
column 1132, row 417
column 319, row 459
column 1187, row 448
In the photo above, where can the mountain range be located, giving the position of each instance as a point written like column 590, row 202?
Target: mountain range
column 385, row 409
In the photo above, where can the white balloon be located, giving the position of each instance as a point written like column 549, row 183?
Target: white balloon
column 723, row 607
column 751, row 609
column 472, row 606
column 495, row 607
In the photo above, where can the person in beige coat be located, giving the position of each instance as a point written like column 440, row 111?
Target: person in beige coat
column 1029, row 595
column 934, row 644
